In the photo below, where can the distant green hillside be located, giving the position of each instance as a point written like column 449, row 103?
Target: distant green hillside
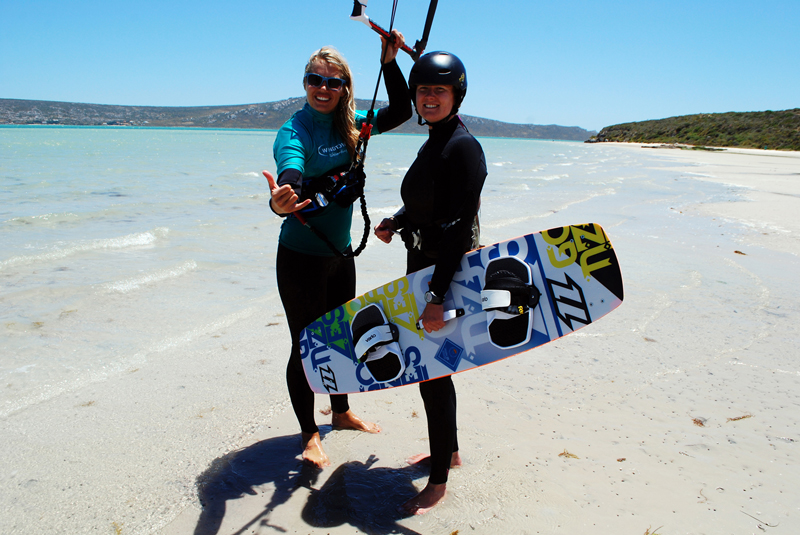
column 778, row 130
column 267, row 115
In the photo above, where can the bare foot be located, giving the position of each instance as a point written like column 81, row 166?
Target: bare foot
column 313, row 453
column 424, row 459
column 348, row 420
column 425, row 500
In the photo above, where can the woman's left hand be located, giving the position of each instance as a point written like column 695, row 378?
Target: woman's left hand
column 385, row 229
column 432, row 317
column 393, row 47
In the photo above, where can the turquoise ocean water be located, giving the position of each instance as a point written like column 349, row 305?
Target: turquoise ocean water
column 114, row 241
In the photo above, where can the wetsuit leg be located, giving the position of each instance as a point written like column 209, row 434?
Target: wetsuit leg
column 341, row 289
column 309, row 286
column 439, row 397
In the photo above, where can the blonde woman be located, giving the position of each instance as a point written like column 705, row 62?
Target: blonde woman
column 316, row 143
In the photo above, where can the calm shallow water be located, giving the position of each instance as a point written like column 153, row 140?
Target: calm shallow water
column 116, row 241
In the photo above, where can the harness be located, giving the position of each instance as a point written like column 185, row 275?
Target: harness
column 425, row 238
column 340, row 186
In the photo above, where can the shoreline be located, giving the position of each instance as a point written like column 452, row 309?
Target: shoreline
column 703, row 148
column 771, row 180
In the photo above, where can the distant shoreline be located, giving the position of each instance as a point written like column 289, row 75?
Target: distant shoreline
column 263, row 116
column 227, row 129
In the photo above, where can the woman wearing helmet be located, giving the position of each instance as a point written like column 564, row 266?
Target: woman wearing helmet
column 441, row 195
column 319, row 141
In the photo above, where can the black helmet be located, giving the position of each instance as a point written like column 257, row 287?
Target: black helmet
column 439, row 68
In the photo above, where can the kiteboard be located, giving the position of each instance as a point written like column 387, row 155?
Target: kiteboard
column 504, row 299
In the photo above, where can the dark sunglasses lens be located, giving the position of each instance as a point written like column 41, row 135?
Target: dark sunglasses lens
column 334, row 83
column 314, row 79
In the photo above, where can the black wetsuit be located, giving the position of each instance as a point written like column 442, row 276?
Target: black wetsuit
column 441, row 195
column 311, row 285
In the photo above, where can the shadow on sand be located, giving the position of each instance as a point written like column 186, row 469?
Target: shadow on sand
column 357, row 493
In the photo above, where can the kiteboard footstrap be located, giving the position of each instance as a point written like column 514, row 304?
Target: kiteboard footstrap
column 376, row 344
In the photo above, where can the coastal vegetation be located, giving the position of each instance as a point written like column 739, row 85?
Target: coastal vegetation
column 778, row 130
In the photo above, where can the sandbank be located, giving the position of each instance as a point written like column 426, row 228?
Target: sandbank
column 771, row 179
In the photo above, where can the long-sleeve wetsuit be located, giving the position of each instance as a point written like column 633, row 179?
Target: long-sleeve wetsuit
column 441, row 195
column 311, row 279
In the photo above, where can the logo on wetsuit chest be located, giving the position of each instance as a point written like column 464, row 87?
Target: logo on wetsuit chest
column 332, row 152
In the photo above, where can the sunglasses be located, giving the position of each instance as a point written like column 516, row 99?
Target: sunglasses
column 316, row 80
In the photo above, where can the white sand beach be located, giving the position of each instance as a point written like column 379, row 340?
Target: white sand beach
column 679, row 413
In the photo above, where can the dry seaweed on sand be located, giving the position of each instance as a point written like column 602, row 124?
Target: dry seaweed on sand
column 760, row 521
column 568, row 455
column 737, row 418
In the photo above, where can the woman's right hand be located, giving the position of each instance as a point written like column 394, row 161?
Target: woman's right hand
column 394, row 46
column 283, row 198
column 385, row 229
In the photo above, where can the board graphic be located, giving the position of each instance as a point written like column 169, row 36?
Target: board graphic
column 573, row 269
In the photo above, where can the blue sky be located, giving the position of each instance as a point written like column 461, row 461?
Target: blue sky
column 573, row 63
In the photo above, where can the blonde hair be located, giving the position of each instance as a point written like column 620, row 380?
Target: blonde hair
column 344, row 118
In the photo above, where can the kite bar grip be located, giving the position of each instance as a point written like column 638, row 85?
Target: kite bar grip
column 388, row 36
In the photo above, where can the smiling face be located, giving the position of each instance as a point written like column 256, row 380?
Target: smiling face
column 321, row 98
column 435, row 102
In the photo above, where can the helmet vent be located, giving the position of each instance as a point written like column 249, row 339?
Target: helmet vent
column 445, row 71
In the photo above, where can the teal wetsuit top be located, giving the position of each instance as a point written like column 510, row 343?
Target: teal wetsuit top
column 309, row 143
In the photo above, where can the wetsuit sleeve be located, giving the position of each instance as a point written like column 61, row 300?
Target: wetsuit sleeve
column 467, row 173
column 399, row 109
column 288, row 149
column 294, row 178
column 400, row 218
column 289, row 153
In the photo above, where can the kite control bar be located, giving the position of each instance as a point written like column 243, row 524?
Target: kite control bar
column 359, row 14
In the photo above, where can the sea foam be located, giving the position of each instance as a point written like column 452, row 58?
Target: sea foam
column 64, row 250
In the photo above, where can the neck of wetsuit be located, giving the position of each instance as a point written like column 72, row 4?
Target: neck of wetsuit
column 443, row 130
